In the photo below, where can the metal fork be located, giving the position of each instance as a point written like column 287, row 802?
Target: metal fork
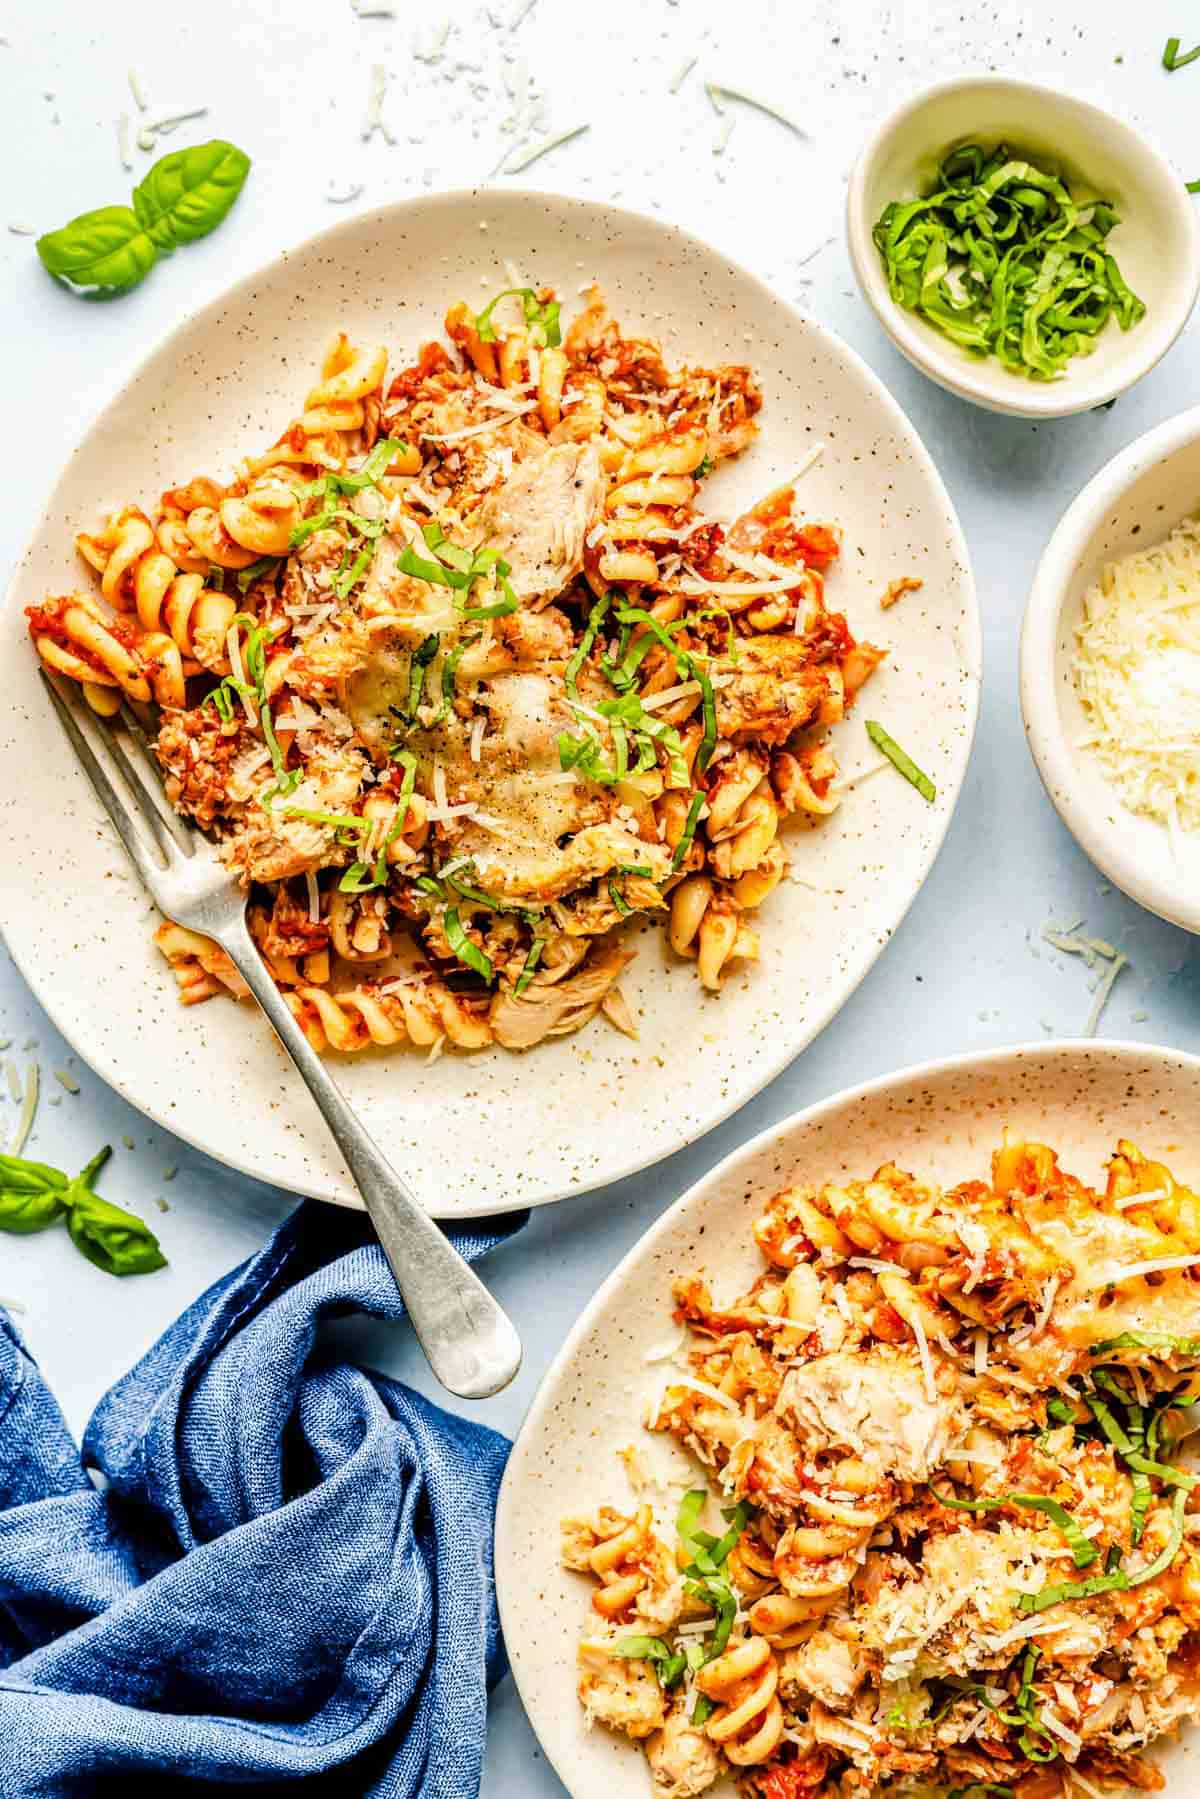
column 471, row 1343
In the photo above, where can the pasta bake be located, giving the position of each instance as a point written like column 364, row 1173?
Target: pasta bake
column 945, row 1540
column 461, row 678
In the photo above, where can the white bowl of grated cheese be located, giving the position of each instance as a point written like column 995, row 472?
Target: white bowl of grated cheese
column 1110, row 670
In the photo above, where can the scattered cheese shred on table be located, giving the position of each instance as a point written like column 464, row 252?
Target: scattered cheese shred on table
column 1098, row 955
column 28, row 1109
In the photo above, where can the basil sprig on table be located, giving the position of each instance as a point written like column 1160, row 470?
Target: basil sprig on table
column 183, row 197
column 34, row 1195
column 1000, row 258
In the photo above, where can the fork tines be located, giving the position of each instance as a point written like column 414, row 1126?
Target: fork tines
column 119, row 762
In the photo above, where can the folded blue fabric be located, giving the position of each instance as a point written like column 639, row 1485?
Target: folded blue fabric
column 287, row 1580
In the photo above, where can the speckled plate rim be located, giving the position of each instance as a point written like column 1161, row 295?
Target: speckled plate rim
column 338, row 1189
column 544, row 1681
column 1106, row 834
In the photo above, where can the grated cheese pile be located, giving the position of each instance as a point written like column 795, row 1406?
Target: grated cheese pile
column 1137, row 672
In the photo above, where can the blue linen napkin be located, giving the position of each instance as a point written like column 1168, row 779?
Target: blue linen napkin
column 287, row 1581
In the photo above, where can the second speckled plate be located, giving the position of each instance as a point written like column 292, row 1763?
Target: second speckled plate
column 941, row 1122
column 483, row 1133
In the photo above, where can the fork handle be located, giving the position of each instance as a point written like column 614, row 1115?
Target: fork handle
column 471, row 1343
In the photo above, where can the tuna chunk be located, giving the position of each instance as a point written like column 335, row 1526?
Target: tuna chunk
column 875, row 1406
column 539, row 519
column 774, row 689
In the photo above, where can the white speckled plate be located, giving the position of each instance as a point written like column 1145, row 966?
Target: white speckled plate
column 941, row 1121
column 482, row 1133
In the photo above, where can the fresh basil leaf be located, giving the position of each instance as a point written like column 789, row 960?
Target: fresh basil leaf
column 103, row 252
column 31, row 1195
column 188, row 193
column 113, row 1239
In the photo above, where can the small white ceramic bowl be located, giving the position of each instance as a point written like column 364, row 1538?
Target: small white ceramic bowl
column 1135, row 501
column 1157, row 243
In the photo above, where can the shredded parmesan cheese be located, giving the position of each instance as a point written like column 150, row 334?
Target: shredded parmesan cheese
column 1109, row 1277
column 810, row 461
column 544, row 149
column 1137, row 673
column 28, row 1109
column 449, row 437
column 1052, row 1721
column 374, row 120
column 1140, row 1199
column 662, row 1352
column 918, row 1330
column 1102, row 993
column 477, row 731
column 706, row 1389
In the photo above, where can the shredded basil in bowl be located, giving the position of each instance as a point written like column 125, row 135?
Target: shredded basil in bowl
column 1002, row 259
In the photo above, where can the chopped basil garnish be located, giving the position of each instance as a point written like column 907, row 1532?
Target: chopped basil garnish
column 531, row 961
column 668, row 1663
column 358, row 878
column 464, row 948
column 689, row 832
column 1115, row 1580
column 624, row 909
column 901, row 761
column 999, row 258
column 1061, row 1412
column 705, row 1581
column 1148, row 1340
column 459, row 569
column 246, row 577
column 449, row 671
column 1083, row 1552
column 422, row 656
column 1172, row 59
column 254, row 658
column 330, row 488
column 540, row 315
column 346, row 826
column 584, row 647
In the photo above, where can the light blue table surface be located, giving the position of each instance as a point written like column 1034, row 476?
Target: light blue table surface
column 289, row 82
